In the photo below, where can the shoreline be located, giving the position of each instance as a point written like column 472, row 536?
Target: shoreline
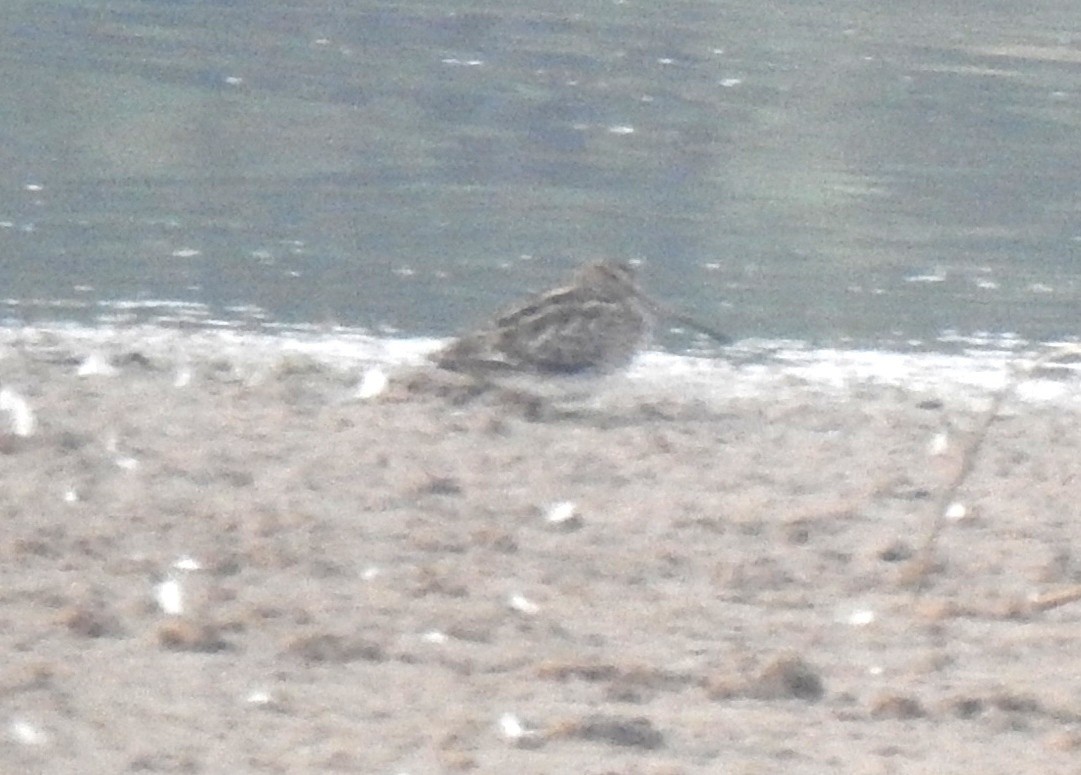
column 748, row 369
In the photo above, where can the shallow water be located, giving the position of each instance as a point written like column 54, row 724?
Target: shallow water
column 824, row 172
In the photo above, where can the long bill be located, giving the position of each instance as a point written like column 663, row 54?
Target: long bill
column 663, row 311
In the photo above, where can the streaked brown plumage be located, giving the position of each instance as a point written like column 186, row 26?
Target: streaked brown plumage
column 593, row 324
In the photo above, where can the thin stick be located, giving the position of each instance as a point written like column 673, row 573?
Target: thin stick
column 919, row 569
column 1055, row 599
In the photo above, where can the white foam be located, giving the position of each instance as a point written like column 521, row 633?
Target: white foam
column 971, row 376
column 752, row 368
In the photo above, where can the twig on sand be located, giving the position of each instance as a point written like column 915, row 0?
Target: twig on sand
column 1055, row 599
column 916, row 573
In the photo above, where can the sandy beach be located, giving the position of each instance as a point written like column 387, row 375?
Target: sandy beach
column 217, row 563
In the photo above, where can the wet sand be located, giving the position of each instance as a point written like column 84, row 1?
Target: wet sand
column 376, row 586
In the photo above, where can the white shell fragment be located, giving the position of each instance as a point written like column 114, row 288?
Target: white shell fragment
column 939, row 444
column 95, row 365
column 372, row 383
column 435, row 636
column 522, row 604
column 112, row 446
column 182, row 378
column 259, row 698
column 187, row 562
column 127, row 463
column 20, row 415
column 563, row 513
column 170, row 597
column 511, row 727
column 26, row 733
column 861, row 617
column 956, row 511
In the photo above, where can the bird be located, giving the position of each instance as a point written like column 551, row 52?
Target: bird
column 593, row 324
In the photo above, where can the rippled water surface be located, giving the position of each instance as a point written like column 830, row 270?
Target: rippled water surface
column 832, row 172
